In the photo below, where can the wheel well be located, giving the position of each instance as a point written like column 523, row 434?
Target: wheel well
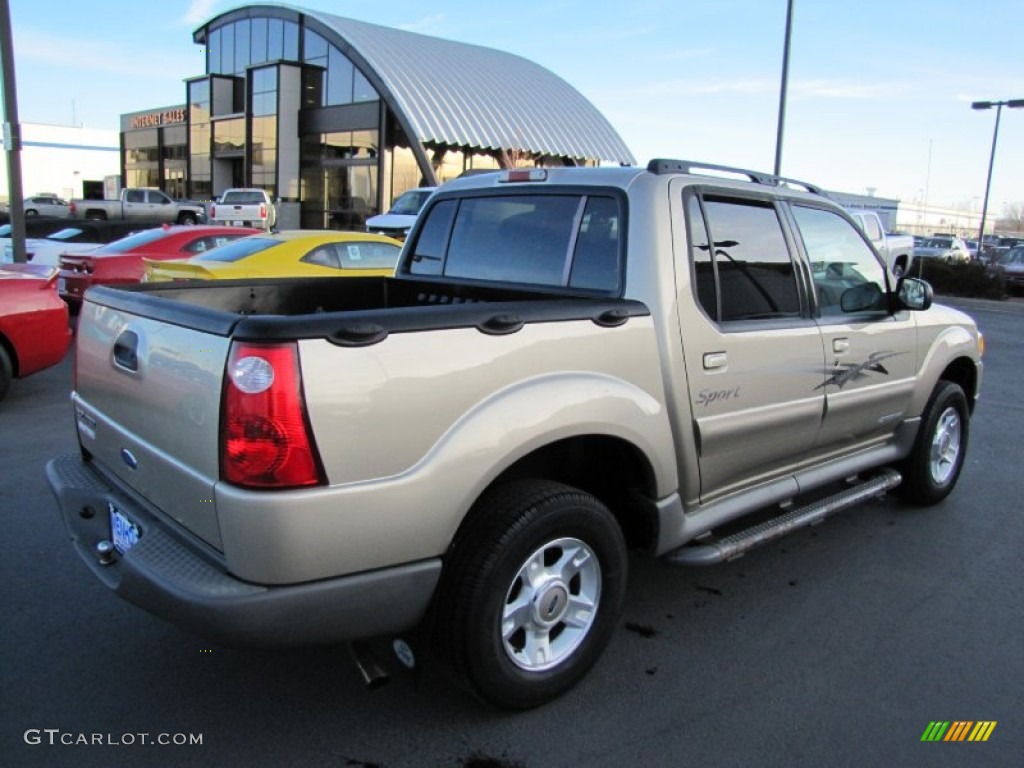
column 963, row 372
column 610, row 468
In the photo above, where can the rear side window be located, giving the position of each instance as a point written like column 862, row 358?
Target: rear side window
column 550, row 240
column 740, row 250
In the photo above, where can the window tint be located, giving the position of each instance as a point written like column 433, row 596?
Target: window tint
column 208, row 243
column 239, row 249
column 322, row 256
column 137, row 240
column 840, row 259
column 367, row 255
column 756, row 278
column 428, row 258
column 595, row 261
column 134, row 196
column 703, row 265
column 554, row 240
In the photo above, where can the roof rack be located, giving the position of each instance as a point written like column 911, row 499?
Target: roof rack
column 662, row 165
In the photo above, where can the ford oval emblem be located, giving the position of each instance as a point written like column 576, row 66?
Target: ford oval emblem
column 129, row 458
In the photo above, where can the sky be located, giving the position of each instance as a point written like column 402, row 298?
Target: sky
column 879, row 91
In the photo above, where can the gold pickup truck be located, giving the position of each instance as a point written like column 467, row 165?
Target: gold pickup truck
column 568, row 362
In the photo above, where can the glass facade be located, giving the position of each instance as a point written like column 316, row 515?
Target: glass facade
column 200, row 177
column 282, row 108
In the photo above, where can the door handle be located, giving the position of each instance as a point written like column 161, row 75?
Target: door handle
column 840, row 346
column 715, row 360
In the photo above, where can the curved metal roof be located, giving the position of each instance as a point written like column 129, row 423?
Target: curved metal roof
column 468, row 95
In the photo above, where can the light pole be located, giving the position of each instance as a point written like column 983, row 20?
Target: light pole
column 1012, row 104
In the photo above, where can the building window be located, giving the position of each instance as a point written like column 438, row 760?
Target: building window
column 258, row 41
column 200, row 180
column 229, row 136
column 241, row 47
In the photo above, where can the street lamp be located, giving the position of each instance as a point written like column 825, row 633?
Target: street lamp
column 1012, row 104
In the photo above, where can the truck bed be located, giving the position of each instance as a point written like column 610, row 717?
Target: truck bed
column 354, row 311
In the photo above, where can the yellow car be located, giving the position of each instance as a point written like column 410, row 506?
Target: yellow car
column 294, row 253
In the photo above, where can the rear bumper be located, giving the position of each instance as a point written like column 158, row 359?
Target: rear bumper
column 181, row 581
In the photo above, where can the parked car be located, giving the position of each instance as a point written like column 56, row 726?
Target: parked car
column 244, row 208
column 293, row 253
column 121, row 261
column 47, row 205
column 77, row 237
column 34, row 330
column 398, row 221
column 945, row 248
column 1011, row 264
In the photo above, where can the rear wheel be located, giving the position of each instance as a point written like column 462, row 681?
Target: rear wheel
column 6, row 372
column 31, row 212
column 932, row 469
column 531, row 592
column 96, row 216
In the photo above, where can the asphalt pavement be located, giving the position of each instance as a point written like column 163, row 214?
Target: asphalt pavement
column 836, row 646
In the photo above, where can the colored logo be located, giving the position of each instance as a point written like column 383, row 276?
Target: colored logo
column 959, row 730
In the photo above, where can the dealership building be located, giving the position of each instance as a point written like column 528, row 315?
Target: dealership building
column 337, row 117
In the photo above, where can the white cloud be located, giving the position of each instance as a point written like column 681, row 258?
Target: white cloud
column 199, row 11
column 429, row 25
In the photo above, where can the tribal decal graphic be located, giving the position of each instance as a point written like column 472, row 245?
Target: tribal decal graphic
column 842, row 373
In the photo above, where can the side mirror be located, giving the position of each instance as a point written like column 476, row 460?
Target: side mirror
column 914, row 293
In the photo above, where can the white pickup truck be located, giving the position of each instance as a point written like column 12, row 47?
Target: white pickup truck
column 568, row 362
column 244, row 208
column 896, row 250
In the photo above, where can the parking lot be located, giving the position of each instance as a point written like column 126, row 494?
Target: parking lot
column 835, row 646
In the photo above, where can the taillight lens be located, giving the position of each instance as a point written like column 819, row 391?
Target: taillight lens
column 213, row 211
column 266, row 440
column 263, row 211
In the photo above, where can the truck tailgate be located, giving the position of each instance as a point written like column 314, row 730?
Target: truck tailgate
column 147, row 409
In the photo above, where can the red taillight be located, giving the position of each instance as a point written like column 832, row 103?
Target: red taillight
column 263, row 211
column 72, row 208
column 213, row 211
column 266, row 441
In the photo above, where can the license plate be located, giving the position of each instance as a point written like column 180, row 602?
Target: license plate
column 122, row 530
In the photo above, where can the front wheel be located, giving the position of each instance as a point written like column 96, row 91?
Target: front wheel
column 188, row 219
column 531, row 592
column 932, row 469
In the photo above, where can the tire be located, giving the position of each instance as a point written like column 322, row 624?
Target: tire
column 6, row 372
column 566, row 613
column 96, row 216
column 899, row 268
column 931, row 471
column 31, row 212
column 188, row 219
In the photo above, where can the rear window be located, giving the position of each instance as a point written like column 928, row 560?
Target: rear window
column 132, row 242
column 566, row 240
column 239, row 249
column 242, row 198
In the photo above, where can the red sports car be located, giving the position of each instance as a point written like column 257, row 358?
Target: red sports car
column 34, row 331
column 121, row 261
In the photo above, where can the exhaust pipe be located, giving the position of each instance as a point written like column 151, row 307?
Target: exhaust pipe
column 373, row 674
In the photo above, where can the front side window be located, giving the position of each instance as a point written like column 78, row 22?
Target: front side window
column 840, row 261
column 753, row 273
